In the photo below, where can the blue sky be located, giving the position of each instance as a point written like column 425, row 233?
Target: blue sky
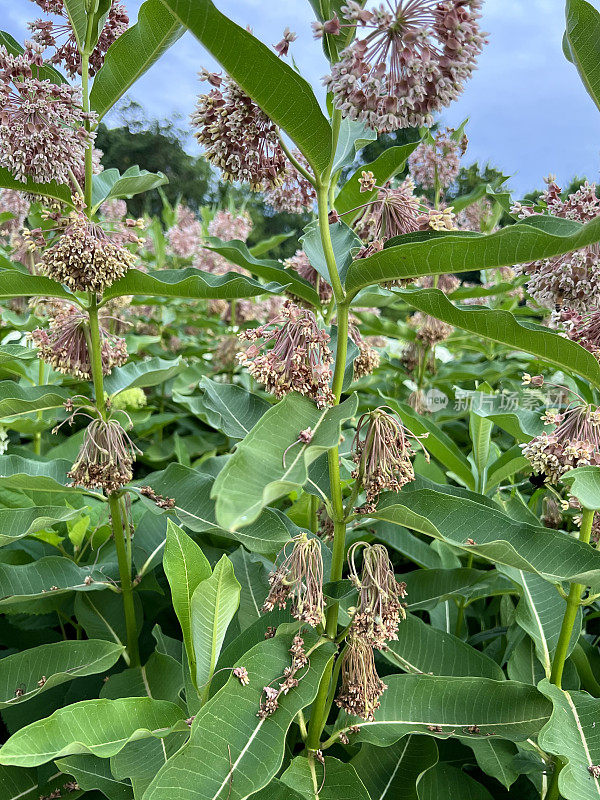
column 529, row 114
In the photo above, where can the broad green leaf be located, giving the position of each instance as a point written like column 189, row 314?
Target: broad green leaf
column 408, row 257
column 392, row 772
column 423, row 649
column 258, row 473
column 17, row 400
column 17, row 783
column 142, row 374
column 429, row 587
column 574, row 735
column 480, row 432
column 237, row 252
column 335, row 779
column 191, row 491
column 262, row 247
column 99, row 727
column 455, row 519
column 540, row 613
column 583, row 41
column 385, row 166
column 78, row 18
column 92, row 772
column 282, row 94
column 133, row 53
column 496, row 758
column 343, row 240
column 190, row 283
column 231, row 409
column 186, row 567
column 451, row 783
column 230, row 749
column 110, row 184
column 57, row 191
column 52, row 664
column 14, row 283
column 253, row 574
column 503, row 327
column 15, row 523
column 213, row 606
column 414, row 549
column 504, row 411
column 35, row 477
column 509, row 463
column 101, row 615
column 352, row 137
column 140, row 761
column 584, row 484
column 411, row 703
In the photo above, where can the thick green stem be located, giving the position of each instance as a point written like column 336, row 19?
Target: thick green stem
column 125, row 576
column 564, row 640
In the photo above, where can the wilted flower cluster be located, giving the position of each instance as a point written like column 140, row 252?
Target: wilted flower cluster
column 429, row 331
column 186, row 234
column 298, row 361
column 42, row 133
column 294, row 194
column 412, row 62
column 270, row 704
column 226, row 226
column 367, row 359
column 64, row 344
column 361, row 685
column 382, row 455
column 299, row 263
column 435, row 166
column 574, row 442
column 571, row 280
column 105, row 459
column 86, row 257
column 299, row 579
column 15, row 203
column 238, row 136
column 47, row 33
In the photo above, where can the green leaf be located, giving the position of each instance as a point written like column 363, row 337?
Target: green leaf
column 16, row 284
column 142, row 374
column 17, row 400
column 455, row 518
column 237, row 252
column 265, row 245
column 99, row 727
column 252, row 571
column 353, row 136
column 537, row 238
column 495, row 757
column 256, row 475
column 213, row 606
column 191, row 491
column 186, row 567
column 110, row 184
column 583, row 41
column 451, row 783
column 428, row 587
column 32, row 476
column 423, row 649
column 56, row 663
column 411, row 703
column 335, row 778
column 133, row 53
column 230, row 748
column 78, row 18
column 282, row 94
column 92, row 772
column 503, row 327
column 15, row 523
column 189, row 283
column 573, row 734
column 343, row 240
column 231, row 409
column 392, row 772
column 584, row 484
column 385, row 166
column 521, row 423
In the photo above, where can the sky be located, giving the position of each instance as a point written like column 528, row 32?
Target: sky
column 529, row 113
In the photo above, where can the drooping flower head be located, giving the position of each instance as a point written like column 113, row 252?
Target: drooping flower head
column 299, row 579
column 237, row 135
column 299, row 263
column 379, row 608
column 436, row 165
column 368, row 358
column 413, row 60
column 48, row 33
column 571, row 280
column 299, row 359
column 429, row 331
column 582, row 328
column 382, row 451
column 294, row 195
column 86, row 257
column 361, row 685
column 15, row 203
column 42, row 132
column 105, row 459
column 64, row 344
column 574, row 442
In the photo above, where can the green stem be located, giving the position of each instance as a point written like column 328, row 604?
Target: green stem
column 314, row 507
column 125, row 576
column 294, row 161
column 37, row 436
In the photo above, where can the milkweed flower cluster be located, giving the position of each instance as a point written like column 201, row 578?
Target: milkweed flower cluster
column 574, row 442
column 185, row 235
column 105, row 459
column 113, row 210
column 582, row 328
column 15, row 203
column 361, row 685
column 571, row 280
column 294, row 194
column 299, row 579
column 436, row 165
column 42, row 125
column 226, row 226
column 382, row 450
column 368, row 358
column 413, row 61
column 86, row 257
column 237, row 135
column 48, row 33
column 475, row 217
column 300, row 263
column 299, row 359
column 445, row 283
column 429, row 331
column 64, row 344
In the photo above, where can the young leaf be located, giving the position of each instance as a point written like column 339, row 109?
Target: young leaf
column 110, row 184
column 343, row 240
column 142, row 374
column 213, row 606
column 257, row 473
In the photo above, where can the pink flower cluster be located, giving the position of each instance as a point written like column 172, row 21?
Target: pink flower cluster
column 185, row 235
column 226, row 226
column 15, row 203
column 436, row 165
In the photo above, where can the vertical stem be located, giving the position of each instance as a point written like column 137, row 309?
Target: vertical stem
column 37, row 436
column 314, row 507
column 125, row 576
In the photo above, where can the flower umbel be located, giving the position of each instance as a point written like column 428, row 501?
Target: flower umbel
column 436, row 165
column 299, row 579
column 106, row 457
column 300, row 263
column 361, row 685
